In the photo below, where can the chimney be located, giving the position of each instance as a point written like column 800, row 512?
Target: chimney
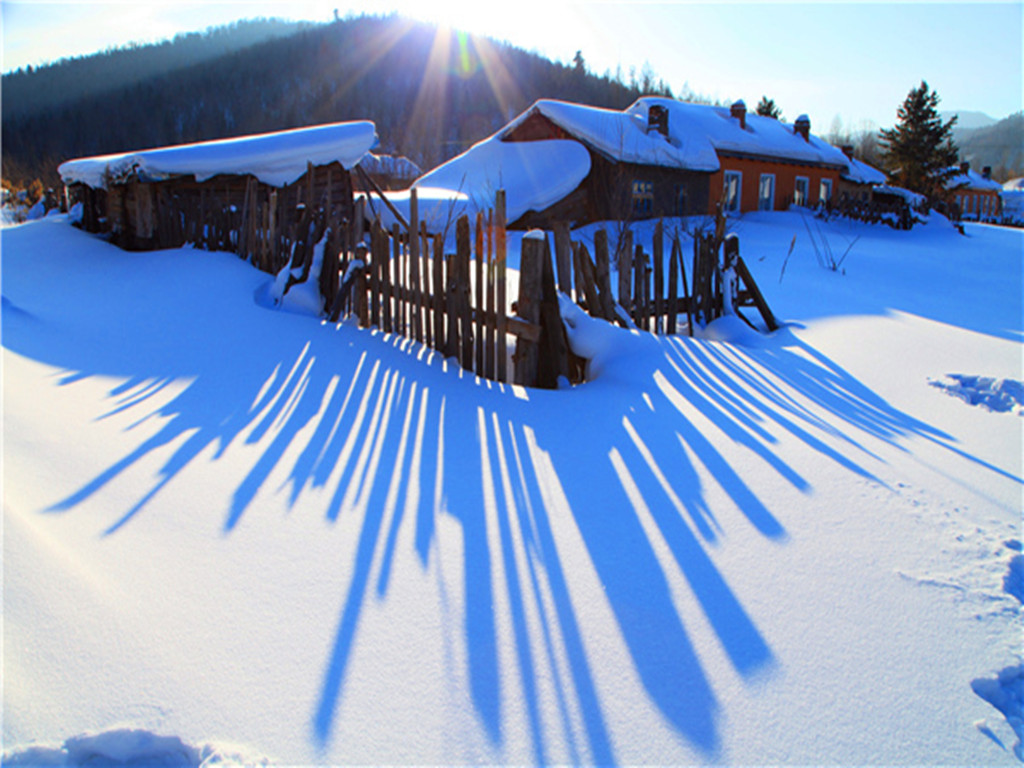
column 739, row 111
column 657, row 119
column 986, row 172
column 847, row 150
column 965, row 167
column 802, row 126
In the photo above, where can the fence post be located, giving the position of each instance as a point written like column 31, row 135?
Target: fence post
column 563, row 257
column 499, row 278
column 659, row 276
column 625, row 267
column 529, row 301
column 604, row 280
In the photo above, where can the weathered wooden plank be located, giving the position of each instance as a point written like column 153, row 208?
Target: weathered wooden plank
column 499, row 280
column 553, row 350
column 585, row 269
column 478, row 293
column 755, row 293
column 673, row 287
column 563, row 257
column 602, row 277
column 440, row 295
column 657, row 256
column 625, row 267
column 639, row 284
column 490, row 335
column 465, row 255
column 425, row 299
column 528, row 305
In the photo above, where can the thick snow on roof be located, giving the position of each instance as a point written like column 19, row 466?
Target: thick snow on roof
column 1014, row 185
column 623, row 136
column 691, row 124
column 860, row 172
column 972, row 180
column 696, row 134
column 274, row 158
column 534, row 174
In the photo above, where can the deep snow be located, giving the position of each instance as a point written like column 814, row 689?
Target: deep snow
column 224, row 523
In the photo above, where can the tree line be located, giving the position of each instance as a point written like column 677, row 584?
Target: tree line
column 430, row 92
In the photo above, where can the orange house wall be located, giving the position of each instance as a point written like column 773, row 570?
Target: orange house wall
column 785, row 181
column 975, row 195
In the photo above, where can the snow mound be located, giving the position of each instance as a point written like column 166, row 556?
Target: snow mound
column 1006, row 693
column 129, row 746
column 1000, row 395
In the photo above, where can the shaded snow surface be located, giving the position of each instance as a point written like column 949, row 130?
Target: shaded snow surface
column 227, row 521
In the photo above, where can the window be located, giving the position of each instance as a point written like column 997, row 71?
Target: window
column 732, row 187
column 680, row 200
column 825, row 191
column 801, row 193
column 766, row 192
column 643, row 198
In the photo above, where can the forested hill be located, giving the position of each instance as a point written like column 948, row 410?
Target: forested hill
column 430, row 92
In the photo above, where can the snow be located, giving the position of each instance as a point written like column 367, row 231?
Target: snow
column 534, row 175
column 277, row 159
column 860, row 172
column 971, row 179
column 227, row 524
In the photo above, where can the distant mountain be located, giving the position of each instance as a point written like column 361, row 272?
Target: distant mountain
column 29, row 90
column 968, row 120
column 1000, row 145
column 430, row 92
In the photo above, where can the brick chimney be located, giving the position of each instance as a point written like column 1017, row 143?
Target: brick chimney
column 965, row 167
column 739, row 111
column 986, row 172
column 847, row 150
column 657, row 119
column 802, row 126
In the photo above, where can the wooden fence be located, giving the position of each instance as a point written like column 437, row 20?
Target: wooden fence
column 458, row 303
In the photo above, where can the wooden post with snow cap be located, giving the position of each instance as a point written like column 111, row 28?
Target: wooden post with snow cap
column 528, row 304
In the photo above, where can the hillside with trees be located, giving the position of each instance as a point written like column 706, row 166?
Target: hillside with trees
column 1000, row 146
column 431, row 93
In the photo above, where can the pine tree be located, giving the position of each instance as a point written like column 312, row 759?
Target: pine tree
column 767, row 108
column 918, row 152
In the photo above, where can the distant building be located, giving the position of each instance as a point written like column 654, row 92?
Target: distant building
column 976, row 195
column 387, row 172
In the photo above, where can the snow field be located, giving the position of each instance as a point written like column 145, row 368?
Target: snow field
column 229, row 523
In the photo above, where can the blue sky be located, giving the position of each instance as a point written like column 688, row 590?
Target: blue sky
column 847, row 62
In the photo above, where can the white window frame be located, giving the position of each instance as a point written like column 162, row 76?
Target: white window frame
column 825, row 190
column 766, row 203
column 803, row 200
column 734, row 205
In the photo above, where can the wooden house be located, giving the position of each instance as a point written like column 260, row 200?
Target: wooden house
column 657, row 158
column 240, row 194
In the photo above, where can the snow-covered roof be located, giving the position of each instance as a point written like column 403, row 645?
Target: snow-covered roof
column 971, row 179
column 913, row 198
column 697, row 133
column 623, row 136
column 860, row 172
column 534, row 174
column 1014, row 185
column 277, row 159
column 396, row 167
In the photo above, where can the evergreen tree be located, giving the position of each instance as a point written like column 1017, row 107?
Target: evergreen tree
column 918, row 152
column 767, row 108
